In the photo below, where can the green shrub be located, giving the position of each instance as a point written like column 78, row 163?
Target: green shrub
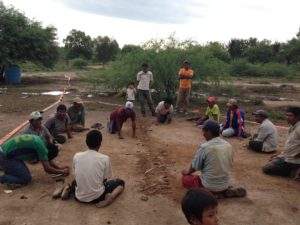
column 79, row 63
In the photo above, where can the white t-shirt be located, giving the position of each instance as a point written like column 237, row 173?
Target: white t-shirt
column 90, row 169
column 267, row 133
column 144, row 80
column 130, row 92
column 161, row 109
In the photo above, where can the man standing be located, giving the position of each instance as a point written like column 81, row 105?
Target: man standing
column 185, row 75
column 59, row 123
column 164, row 111
column 77, row 115
column 145, row 77
column 26, row 147
column 287, row 162
column 266, row 138
column 119, row 116
column 215, row 160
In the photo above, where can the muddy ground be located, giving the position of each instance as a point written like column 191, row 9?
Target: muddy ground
column 161, row 150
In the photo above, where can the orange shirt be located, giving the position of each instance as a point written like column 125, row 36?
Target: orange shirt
column 185, row 83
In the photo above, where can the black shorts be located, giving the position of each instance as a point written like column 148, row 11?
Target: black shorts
column 110, row 186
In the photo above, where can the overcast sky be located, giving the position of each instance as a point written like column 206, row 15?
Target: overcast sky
column 136, row 21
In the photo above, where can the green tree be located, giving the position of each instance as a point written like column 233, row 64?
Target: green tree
column 22, row 39
column 106, row 49
column 291, row 50
column 236, row 47
column 130, row 48
column 262, row 52
column 78, row 45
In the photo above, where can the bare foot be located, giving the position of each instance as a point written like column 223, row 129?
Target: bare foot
column 108, row 199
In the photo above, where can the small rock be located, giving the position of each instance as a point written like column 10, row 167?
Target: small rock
column 23, row 197
column 144, row 198
column 108, row 222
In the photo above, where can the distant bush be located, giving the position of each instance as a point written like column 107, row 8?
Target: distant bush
column 242, row 67
column 79, row 63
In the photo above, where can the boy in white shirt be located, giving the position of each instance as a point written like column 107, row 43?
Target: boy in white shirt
column 130, row 93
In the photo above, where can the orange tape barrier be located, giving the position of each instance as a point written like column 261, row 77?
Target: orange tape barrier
column 14, row 131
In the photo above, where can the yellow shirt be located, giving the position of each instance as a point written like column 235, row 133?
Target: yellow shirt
column 185, row 83
column 213, row 113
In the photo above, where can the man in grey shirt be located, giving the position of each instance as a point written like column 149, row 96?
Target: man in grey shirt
column 266, row 138
column 287, row 163
column 59, row 123
column 215, row 160
column 145, row 77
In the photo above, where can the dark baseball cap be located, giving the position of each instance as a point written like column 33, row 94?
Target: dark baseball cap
column 212, row 126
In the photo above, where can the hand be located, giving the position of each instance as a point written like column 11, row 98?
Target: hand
column 66, row 172
column 156, row 123
column 185, row 171
column 70, row 136
column 273, row 157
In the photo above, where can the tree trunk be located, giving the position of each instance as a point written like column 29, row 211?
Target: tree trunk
column 2, row 78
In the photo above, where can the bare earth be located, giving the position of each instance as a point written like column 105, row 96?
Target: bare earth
column 160, row 151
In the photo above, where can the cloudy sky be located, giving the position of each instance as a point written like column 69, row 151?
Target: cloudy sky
column 136, row 21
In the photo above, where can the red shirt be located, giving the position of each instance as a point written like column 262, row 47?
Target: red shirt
column 119, row 115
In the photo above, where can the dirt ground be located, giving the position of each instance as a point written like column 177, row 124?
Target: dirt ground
column 161, row 150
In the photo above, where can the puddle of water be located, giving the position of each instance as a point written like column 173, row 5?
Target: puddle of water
column 27, row 93
column 53, row 93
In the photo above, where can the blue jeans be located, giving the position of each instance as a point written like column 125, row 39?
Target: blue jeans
column 15, row 171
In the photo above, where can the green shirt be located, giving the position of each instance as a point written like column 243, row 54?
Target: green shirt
column 213, row 113
column 25, row 147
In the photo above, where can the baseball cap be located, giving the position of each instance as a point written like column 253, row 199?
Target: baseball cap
column 260, row 112
column 35, row 115
column 186, row 62
column 232, row 102
column 129, row 105
column 212, row 126
column 78, row 100
column 211, row 99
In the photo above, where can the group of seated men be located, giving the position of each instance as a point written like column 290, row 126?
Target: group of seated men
column 214, row 158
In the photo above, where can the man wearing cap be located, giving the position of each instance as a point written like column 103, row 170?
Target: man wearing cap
column 185, row 76
column 145, row 78
column 212, row 112
column 119, row 116
column 164, row 111
column 234, row 125
column 214, row 159
column 287, row 162
column 59, row 123
column 266, row 138
column 26, row 147
column 76, row 113
column 35, row 127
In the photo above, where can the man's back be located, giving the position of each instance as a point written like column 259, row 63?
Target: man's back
column 90, row 168
column 268, row 135
column 215, row 160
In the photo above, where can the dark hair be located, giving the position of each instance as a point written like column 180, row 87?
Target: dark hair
column 93, row 139
column 195, row 202
column 212, row 126
column 295, row 110
column 144, row 65
column 131, row 83
column 61, row 107
column 168, row 100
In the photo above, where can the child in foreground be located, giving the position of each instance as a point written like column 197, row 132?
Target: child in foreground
column 200, row 207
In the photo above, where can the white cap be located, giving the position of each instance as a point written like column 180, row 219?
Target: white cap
column 35, row 115
column 77, row 100
column 129, row 105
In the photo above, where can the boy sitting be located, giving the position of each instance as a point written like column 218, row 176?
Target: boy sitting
column 92, row 173
column 200, row 207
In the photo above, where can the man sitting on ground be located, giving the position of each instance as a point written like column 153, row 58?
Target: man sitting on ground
column 26, row 147
column 214, row 159
column 76, row 112
column 59, row 123
column 200, row 207
column 287, row 163
column 234, row 125
column 266, row 138
column 164, row 111
column 119, row 116
column 93, row 173
column 212, row 112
